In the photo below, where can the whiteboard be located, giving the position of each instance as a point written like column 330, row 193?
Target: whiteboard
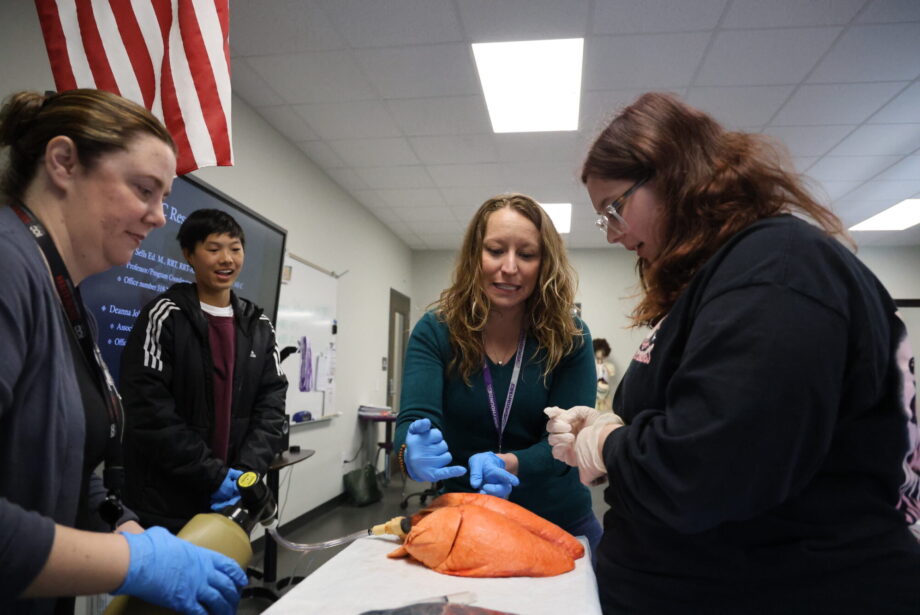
column 306, row 317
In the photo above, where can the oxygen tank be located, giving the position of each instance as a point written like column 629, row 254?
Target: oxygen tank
column 226, row 532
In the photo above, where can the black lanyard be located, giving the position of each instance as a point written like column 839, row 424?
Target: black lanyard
column 113, row 476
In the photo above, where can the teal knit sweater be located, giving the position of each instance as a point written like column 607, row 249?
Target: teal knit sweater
column 548, row 487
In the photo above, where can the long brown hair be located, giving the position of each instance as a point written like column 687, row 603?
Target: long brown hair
column 98, row 122
column 464, row 306
column 712, row 183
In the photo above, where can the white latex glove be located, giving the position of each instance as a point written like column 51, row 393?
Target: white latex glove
column 576, row 437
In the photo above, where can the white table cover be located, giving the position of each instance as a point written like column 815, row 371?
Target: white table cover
column 361, row 578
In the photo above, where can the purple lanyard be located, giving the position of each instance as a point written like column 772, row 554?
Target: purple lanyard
column 490, row 391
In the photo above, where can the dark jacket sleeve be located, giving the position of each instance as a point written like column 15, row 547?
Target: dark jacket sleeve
column 153, row 424
column 572, row 385
column 749, row 413
column 263, row 439
column 422, row 395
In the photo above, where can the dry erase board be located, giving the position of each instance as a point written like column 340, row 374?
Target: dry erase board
column 306, row 321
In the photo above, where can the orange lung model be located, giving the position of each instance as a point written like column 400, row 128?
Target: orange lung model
column 476, row 535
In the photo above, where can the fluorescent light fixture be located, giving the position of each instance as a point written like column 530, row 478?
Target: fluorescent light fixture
column 560, row 214
column 531, row 86
column 896, row 218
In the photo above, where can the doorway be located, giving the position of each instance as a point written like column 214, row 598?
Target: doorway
column 396, row 351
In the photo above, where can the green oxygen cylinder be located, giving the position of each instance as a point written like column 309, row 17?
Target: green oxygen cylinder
column 226, row 532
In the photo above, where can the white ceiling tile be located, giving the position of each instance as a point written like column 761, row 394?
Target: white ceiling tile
column 802, row 163
column 320, row 153
column 414, row 197
column 642, row 61
column 836, row 103
column 905, row 108
column 314, row 77
column 880, row 139
column 779, row 13
column 246, row 83
column 538, row 147
column 423, row 227
column 347, row 178
column 833, row 190
column 487, row 21
column 600, row 107
column 524, row 176
column 426, row 214
column 441, row 116
column 421, row 70
column 450, row 175
column 455, row 149
column 368, row 198
column 906, row 169
column 443, row 241
column 809, row 140
column 464, row 200
column 349, row 120
column 280, row 26
column 288, row 123
column 887, row 52
column 764, row 57
column 372, row 23
column 895, row 11
column 395, row 177
column 735, row 107
column 891, row 191
column 384, row 214
column 635, row 16
column 375, row 152
column 849, row 168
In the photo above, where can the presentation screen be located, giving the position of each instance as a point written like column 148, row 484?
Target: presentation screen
column 116, row 297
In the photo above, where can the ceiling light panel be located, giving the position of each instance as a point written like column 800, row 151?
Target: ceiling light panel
column 560, row 214
column 531, row 86
column 897, row 218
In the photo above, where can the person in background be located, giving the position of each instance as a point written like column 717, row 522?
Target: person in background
column 605, row 373
column 86, row 175
column 202, row 382
column 768, row 460
column 501, row 345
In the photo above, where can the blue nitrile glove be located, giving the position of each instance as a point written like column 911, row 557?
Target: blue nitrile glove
column 487, row 470
column 228, row 493
column 426, row 454
column 173, row 573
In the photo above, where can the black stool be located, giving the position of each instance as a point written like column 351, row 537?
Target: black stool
column 433, row 490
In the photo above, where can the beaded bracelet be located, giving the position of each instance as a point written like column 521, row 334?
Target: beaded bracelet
column 400, row 457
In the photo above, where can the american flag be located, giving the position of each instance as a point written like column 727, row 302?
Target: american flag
column 172, row 56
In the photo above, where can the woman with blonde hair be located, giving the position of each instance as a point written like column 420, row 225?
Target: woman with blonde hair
column 501, row 344
column 768, row 461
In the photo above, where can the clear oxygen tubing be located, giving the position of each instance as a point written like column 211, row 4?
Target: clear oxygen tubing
column 397, row 526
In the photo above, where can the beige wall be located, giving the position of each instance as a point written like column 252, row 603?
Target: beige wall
column 325, row 226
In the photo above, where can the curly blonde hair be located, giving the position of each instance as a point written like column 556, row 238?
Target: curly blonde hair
column 464, row 306
column 712, row 183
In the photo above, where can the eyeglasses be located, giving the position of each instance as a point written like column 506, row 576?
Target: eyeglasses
column 611, row 218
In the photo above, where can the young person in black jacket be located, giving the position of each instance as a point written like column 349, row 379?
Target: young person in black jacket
column 202, row 384
column 768, row 461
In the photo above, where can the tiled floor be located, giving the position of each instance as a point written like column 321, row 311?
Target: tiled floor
column 345, row 519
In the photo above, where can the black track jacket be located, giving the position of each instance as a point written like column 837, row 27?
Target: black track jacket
column 168, row 393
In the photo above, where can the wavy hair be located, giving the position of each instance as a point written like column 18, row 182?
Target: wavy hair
column 98, row 122
column 464, row 306
column 711, row 183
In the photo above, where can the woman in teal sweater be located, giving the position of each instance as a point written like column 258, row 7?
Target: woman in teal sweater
column 500, row 346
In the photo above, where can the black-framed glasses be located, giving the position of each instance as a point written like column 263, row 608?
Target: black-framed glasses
column 611, row 218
